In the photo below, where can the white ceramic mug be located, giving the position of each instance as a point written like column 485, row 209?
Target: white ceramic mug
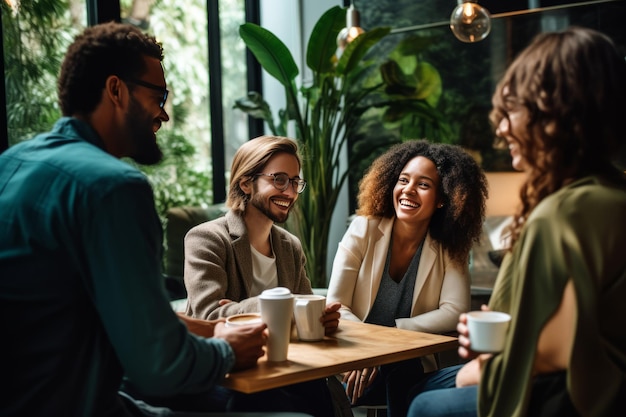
column 245, row 319
column 308, row 310
column 277, row 312
column 487, row 330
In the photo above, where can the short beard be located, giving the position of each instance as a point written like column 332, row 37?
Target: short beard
column 258, row 203
column 145, row 150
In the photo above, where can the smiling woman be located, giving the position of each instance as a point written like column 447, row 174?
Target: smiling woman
column 404, row 260
column 416, row 196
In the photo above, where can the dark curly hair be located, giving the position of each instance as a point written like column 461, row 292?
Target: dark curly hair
column 97, row 53
column 573, row 84
column 463, row 190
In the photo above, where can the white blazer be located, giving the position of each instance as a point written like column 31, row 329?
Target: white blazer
column 442, row 288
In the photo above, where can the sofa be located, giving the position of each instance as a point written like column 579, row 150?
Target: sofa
column 178, row 222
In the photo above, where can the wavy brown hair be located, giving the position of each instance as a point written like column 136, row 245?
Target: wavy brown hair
column 463, row 190
column 573, row 84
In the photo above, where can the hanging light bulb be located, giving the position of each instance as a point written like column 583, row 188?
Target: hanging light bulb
column 470, row 22
column 14, row 5
column 352, row 29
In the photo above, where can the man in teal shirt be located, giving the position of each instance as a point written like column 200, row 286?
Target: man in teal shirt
column 82, row 298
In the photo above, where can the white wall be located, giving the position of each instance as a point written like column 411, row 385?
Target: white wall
column 292, row 21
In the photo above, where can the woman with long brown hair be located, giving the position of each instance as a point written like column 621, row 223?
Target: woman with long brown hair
column 560, row 108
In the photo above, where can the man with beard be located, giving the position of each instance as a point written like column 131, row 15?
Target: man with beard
column 229, row 261
column 82, row 295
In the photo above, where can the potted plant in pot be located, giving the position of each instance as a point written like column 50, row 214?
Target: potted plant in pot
column 324, row 114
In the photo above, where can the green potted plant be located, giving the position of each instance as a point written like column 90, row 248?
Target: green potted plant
column 324, row 113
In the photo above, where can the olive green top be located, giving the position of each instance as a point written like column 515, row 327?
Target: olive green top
column 579, row 232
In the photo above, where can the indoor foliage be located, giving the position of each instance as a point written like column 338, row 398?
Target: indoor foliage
column 324, row 115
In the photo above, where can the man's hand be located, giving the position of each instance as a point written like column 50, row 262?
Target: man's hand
column 330, row 319
column 204, row 328
column 247, row 343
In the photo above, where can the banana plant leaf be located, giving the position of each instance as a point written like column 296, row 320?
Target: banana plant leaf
column 323, row 41
column 326, row 112
column 271, row 53
column 423, row 82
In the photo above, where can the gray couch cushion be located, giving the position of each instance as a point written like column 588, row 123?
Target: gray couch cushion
column 179, row 221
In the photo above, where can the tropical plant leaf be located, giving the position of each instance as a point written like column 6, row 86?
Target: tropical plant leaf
column 254, row 105
column 354, row 52
column 323, row 41
column 429, row 85
column 411, row 46
column 326, row 113
column 271, row 53
column 422, row 83
column 396, row 81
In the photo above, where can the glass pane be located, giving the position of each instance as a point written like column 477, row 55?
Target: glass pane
column 469, row 71
column 234, row 81
column 36, row 35
column 184, row 175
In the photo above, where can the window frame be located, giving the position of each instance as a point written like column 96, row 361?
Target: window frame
column 99, row 11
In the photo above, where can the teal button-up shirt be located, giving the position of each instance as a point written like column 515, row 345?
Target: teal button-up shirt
column 82, row 298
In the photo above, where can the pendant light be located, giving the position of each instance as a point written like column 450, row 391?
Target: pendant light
column 14, row 5
column 352, row 30
column 470, row 22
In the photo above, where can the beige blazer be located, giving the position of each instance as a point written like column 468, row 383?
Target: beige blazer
column 442, row 288
column 218, row 265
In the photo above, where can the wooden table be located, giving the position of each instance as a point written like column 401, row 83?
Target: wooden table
column 354, row 346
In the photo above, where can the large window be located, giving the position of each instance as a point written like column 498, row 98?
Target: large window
column 204, row 67
column 35, row 35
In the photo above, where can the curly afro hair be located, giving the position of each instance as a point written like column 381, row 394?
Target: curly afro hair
column 463, row 190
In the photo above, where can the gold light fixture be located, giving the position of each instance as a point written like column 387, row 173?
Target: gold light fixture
column 352, row 30
column 14, row 5
column 470, row 22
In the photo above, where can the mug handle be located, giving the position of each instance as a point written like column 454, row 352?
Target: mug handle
column 302, row 312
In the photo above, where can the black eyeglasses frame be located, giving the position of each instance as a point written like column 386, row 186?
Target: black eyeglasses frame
column 151, row 86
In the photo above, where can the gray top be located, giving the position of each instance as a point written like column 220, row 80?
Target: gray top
column 394, row 299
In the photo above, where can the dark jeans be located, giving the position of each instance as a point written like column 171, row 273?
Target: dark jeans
column 392, row 386
column 139, row 408
column 549, row 398
column 448, row 402
column 441, row 379
column 308, row 397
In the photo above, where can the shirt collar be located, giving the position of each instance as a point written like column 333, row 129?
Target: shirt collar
column 76, row 128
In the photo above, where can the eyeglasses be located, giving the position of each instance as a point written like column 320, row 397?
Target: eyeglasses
column 151, row 86
column 281, row 182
